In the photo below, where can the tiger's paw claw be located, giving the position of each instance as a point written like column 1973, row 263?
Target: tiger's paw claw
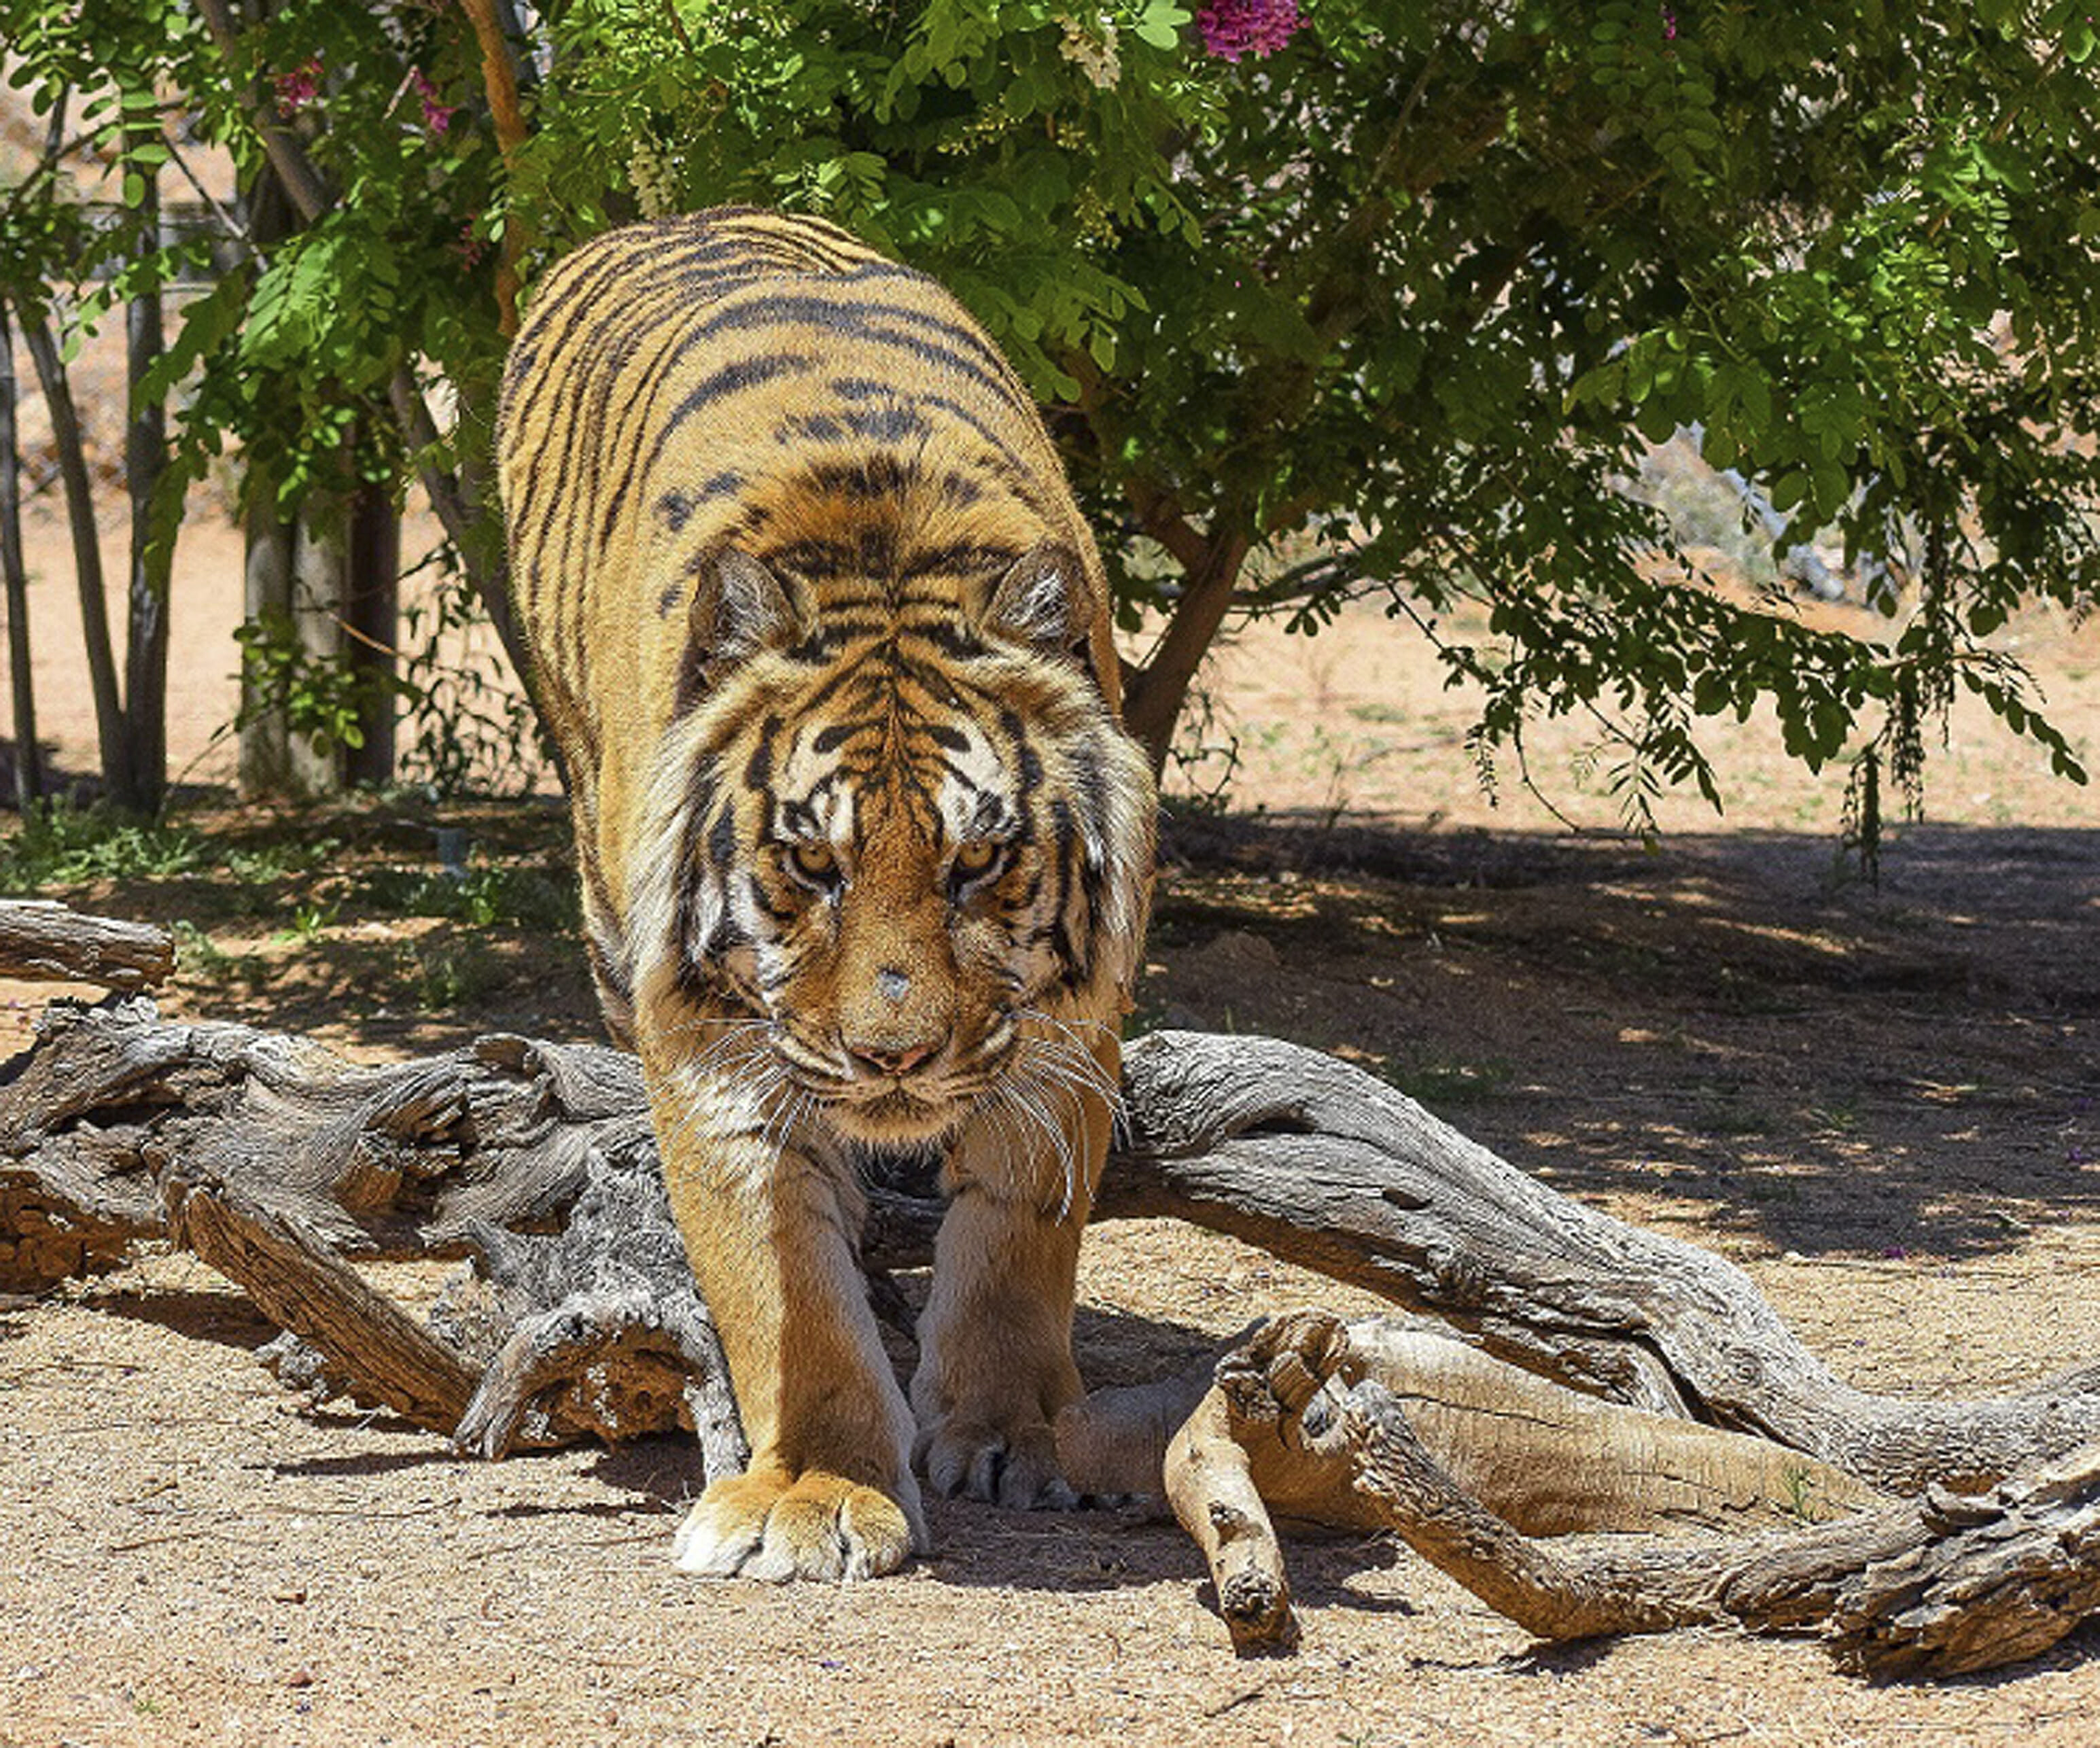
column 775, row 1526
column 1016, row 1467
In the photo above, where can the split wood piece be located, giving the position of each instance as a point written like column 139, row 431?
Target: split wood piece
column 302, row 1285
column 43, row 941
column 1210, row 1486
column 1939, row 1586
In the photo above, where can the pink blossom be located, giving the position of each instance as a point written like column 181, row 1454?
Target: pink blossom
column 299, row 87
column 1232, row 28
column 437, row 116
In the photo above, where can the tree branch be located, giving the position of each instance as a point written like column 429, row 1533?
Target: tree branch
column 499, row 76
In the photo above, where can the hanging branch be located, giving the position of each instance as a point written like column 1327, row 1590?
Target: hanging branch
column 499, row 76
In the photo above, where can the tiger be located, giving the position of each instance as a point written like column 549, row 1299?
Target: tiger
column 824, row 646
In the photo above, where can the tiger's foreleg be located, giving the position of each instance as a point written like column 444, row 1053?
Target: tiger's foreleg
column 768, row 1229
column 996, row 1338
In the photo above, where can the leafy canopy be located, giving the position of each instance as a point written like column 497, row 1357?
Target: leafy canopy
column 1394, row 308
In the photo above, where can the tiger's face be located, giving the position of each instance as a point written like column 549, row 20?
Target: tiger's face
column 913, row 861
column 897, row 923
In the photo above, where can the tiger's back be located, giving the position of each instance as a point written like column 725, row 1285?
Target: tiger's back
column 825, row 645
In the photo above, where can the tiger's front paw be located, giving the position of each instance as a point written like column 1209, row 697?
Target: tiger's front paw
column 773, row 1525
column 1010, row 1466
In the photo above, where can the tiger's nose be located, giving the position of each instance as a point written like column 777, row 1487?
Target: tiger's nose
column 890, row 1059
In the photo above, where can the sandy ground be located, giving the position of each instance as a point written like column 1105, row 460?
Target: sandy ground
column 1882, row 1102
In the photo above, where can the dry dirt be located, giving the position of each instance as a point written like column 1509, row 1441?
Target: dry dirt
column 1880, row 1102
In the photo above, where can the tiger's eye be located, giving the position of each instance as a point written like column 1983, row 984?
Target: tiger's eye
column 976, row 856
column 815, row 861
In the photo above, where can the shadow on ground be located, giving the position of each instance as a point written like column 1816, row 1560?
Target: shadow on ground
column 1833, row 1066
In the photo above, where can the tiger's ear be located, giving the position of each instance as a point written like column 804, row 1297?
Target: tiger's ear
column 742, row 606
column 1042, row 600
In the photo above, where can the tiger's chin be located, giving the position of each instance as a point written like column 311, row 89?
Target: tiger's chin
column 898, row 1117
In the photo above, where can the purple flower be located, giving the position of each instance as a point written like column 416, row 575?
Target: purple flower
column 1232, row 28
column 297, row 88
column 437, row 116
column 1669, row 25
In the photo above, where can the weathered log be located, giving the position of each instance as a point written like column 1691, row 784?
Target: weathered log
column 275, row 1160
column 1540, row 1458
column 41, row 940
column 1941, row 1585
column 1329, row 1167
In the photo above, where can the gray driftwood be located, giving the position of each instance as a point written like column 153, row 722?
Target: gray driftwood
column 46, row 941
column 285, row 1165
column 1307, row 1408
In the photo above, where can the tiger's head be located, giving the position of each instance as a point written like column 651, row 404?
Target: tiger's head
column 905, row 843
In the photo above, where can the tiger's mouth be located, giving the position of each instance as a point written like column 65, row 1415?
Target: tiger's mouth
column 898, row 1114
column 919, row 1108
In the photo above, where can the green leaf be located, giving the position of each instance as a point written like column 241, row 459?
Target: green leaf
column 1160, row 24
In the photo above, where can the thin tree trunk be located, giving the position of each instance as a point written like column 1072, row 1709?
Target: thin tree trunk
column 145, row 461
column 28, row 755
column 1153, row 705
column 266, row 749
column 320, row 569
column 371, row 602
column 43, row 349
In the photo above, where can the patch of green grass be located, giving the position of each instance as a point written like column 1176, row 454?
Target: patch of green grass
column 445, row 975
column 485, row 895
column 61, row 845
column 1433, row 1082
column 201, row 957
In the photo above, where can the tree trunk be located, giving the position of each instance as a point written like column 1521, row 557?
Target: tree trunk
column 372, row 605
column 29, row 784
column 153, row 561
column 265, row 745
column 109, row 726
column 320, row 574
column 1152, row 704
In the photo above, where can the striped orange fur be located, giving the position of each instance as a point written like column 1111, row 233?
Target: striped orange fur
column 824, row 643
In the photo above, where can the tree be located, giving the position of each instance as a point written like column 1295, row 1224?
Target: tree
column 1391, row 309
column 69, row 260
column 1332, row 300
